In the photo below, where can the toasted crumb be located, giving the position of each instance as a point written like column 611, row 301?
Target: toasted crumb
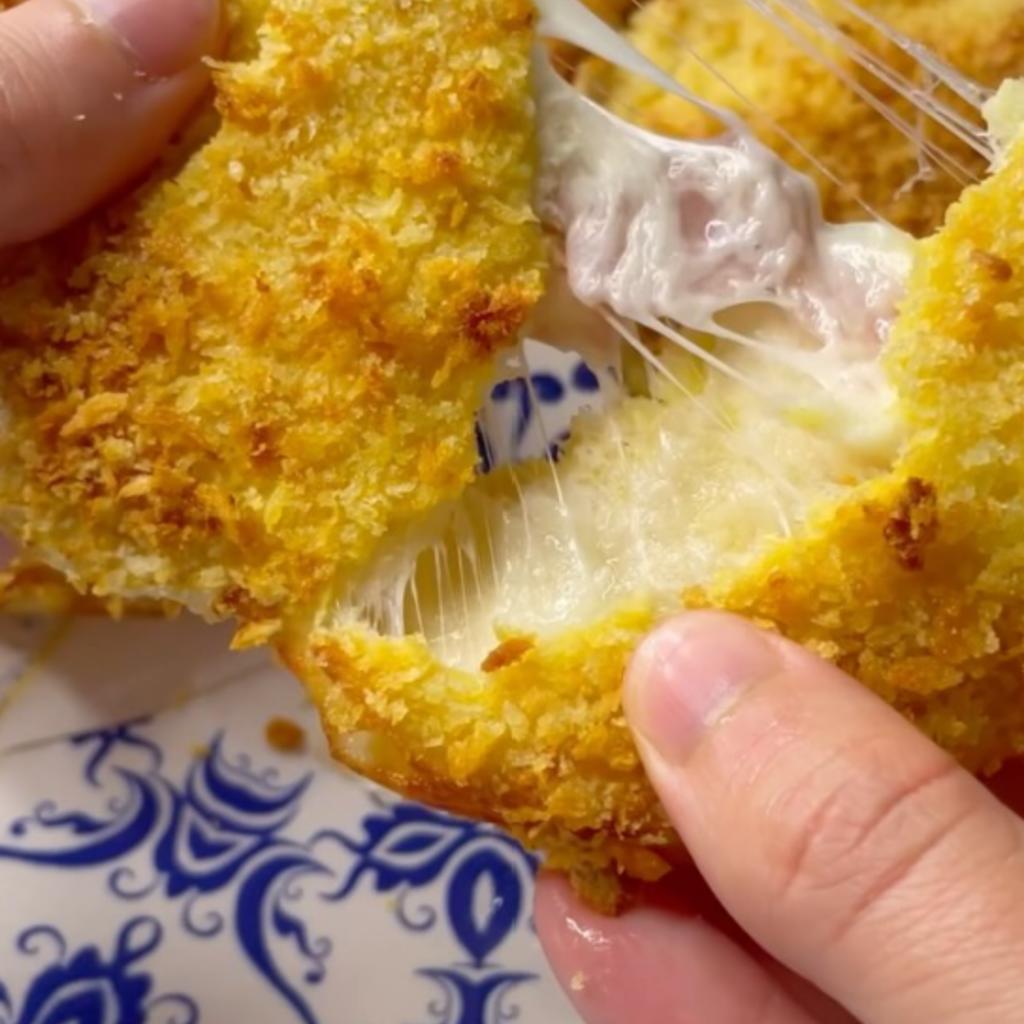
column 996, row 267
column 285, row 736
column 508, row 652
column 578, row 982
column 219, row 389
column 913, row 524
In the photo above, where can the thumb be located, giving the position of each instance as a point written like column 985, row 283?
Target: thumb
column 89, row 92
column 839, row 838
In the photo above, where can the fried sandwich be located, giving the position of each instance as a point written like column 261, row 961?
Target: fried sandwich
column 251, row 388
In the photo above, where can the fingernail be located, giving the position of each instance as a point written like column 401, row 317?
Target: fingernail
column 163, row 37
column 688, row 673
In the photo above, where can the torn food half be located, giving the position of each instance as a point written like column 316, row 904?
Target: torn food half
column 252, row 388
column 224, row 388
column 725, row 379
column 771, row 434
column 804, row 424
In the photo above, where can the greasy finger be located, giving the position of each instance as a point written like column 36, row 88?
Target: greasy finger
column 660, row 961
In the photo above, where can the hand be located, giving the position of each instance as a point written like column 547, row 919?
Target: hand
column 89, row 92
column 845, row 868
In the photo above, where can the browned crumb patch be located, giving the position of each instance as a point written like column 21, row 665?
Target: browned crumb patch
column 508, row 652
column 995, row 266
column 913, row 524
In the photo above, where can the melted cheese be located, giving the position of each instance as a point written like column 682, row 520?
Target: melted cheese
column 768, row 396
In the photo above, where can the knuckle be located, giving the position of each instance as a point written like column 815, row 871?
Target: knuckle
column 856, row 839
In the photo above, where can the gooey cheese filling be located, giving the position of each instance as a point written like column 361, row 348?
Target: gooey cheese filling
column 757, row 328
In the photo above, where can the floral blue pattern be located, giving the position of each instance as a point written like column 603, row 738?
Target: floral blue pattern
column 88, row 988
column 299, row 896
column 409, row 846
column 224, row 832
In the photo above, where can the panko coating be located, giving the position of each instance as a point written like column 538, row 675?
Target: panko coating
column 808, row 100
column 910, row 578
column 226, row 388
column 251, row 387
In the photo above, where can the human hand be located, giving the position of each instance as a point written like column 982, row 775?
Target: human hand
column 89, row 92
column 845, row 867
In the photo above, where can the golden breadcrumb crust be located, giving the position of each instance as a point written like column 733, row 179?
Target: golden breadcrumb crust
column 230, row 386
column 741, row 43
column 226, row 388
column 915, row 584
column 32, row 588
column 809, row 102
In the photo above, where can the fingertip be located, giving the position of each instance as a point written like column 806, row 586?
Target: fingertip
column 95, row 91
column 573, row 938
column 556, row 913
column 824, row 821
column 688, row 673
column 549, row 901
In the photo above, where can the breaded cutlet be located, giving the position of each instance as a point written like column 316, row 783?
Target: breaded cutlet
column 251, row 387
column 32, row 585
column 907, row 576
column 872, row 160
column 226, row 388
column 801, row 105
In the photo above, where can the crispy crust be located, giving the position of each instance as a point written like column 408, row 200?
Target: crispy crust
column 808, row 101
column 539, row 746
column 33, row 588
column 222, row 389
column 913, row 584
column 200, row 412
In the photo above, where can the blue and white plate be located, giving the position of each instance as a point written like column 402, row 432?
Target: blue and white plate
column 161, row 861
column 178, row 868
